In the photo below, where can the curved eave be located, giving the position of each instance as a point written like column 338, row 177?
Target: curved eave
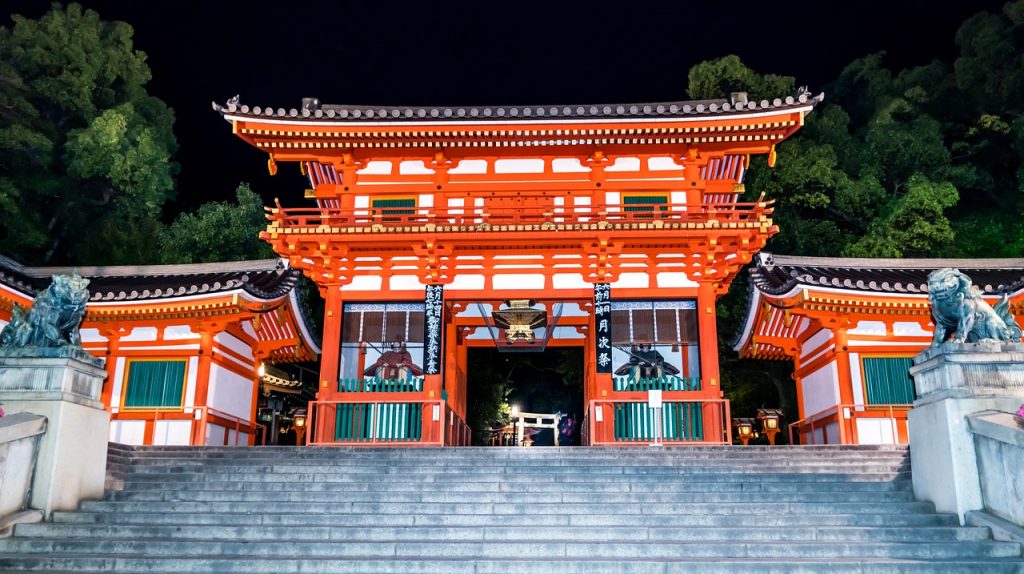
column 303, row 329
column 350, row 115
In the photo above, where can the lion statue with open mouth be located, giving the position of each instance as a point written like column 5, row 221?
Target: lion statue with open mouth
column 961, row 314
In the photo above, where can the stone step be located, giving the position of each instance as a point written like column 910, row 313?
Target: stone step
column 486, row 476
column 731, row 508
column 522, row 455
column 517, row 565
column 341, row 496
column 495, row 549
column 522, row 487
column 305, row 518
column 422, row 469
column 506, row 532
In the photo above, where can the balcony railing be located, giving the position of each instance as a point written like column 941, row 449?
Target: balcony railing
column 846, row 417
column 669, row 383
column 373, row 385
column 630, row 422
column 550, row 217
column 400, row 423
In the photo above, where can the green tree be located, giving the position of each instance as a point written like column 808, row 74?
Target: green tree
column 89, row 150
column 218, row 231
column 717, row 78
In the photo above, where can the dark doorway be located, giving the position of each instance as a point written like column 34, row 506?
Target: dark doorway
column 547, row 382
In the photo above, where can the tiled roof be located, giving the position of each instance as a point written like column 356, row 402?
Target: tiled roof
column 263, row 279
column 778, row 274
column 311, row 110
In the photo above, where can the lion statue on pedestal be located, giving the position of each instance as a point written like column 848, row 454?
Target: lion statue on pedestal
column 54, row 317
column 961, row 314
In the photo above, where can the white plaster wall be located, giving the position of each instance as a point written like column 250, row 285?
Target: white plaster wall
column 470, row 166
column 141, row 334
column 475, row 282
column 569, row 281
column 815, row 341
column 568, row 165
column 231, row 342
column 413, row 167
column 425, row 200
column 875, row 431
column 214, row 435
column 405, row 283
column 625, row 164
column 868, row 328
column 832, row 433
column 519, row 166
column 172, row 433
column 908, row 329
column 632, row 280
column 376, row 168
column 663, row 164
column 88, row 335
column 230, row 393
column 128, row 432
column 180, row 332
column 364, row 283
column 674, row 279
column 118, row 382
column 856, row 379
column 190, row 381
column 525, row 281
column 820, row 389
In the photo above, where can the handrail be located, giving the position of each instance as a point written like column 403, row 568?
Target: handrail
column 708, row 213
column 841, row 413
column 598, row 423
column 204, row 415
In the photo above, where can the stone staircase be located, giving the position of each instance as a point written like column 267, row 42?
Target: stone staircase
column 495, row 510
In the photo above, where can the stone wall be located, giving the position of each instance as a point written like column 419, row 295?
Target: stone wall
column 999, row 447
column 19, row 447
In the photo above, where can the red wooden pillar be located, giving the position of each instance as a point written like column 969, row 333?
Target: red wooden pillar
column 848, row 434
column 113, row 347
column 707, row 329
column 203, row 381
column 330, row 361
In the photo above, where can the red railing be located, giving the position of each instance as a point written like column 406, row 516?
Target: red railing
column 845, row 418
column 617, row 422
column 721, row 214
column 359, row 422
column 205, row 416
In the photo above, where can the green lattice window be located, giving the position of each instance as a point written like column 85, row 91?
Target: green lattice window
column 642, row 203
column 395, row 206
column 887, row 380
column 154, row 384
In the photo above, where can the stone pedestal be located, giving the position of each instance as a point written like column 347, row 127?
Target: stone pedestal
column 952, row 382
column 63, row 385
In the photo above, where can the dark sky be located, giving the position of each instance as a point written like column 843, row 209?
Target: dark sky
column 483, row 52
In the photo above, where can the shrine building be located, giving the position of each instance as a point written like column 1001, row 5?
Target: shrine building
column 432, row 230
column 183, row 344
column 851, row 328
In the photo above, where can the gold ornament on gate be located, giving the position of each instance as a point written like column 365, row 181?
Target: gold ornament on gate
column 519, row 320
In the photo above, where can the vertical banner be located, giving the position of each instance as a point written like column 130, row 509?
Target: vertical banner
column 603, row 326
column 432, row 326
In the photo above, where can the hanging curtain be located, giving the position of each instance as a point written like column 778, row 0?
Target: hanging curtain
column 155, row 383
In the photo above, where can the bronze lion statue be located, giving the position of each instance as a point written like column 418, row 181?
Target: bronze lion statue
column 961, row 315
column 54, row 317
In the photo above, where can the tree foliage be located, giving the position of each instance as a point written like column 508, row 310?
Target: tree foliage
column 218, row 231
column 85, row 148
column 923, row 162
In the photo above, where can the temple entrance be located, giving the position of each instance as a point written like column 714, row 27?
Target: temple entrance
column 547, row 382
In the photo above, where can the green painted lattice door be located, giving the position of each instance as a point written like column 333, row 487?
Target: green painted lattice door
column 887, row 380
column 154, row 384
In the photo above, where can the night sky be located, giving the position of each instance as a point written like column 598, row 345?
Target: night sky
column 481, row 53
